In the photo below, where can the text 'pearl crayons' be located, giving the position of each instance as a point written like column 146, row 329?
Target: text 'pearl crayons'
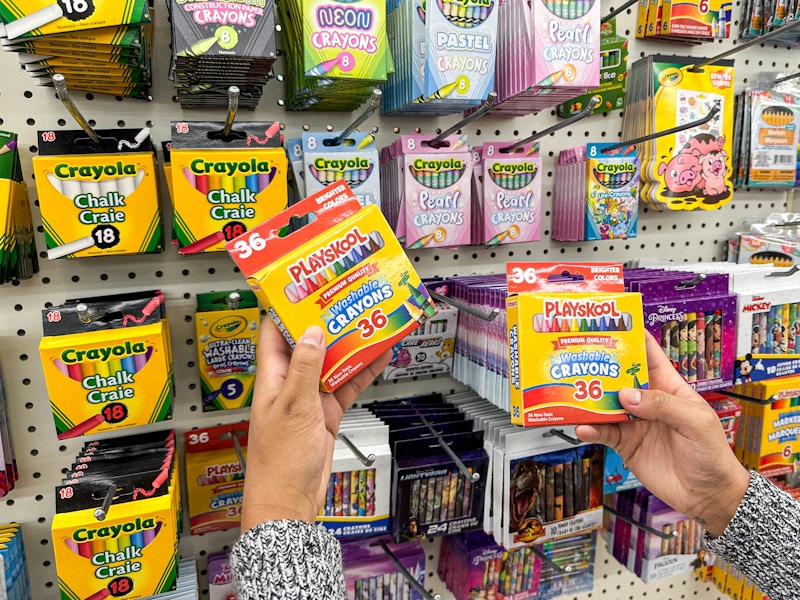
column 364, row 309
column 110, row 377
column 225, row 187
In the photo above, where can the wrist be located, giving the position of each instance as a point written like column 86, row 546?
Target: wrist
column 721, row 508
column 253, row 515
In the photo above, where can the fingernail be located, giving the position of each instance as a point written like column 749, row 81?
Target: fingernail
column 313, row 336
column 631, row 395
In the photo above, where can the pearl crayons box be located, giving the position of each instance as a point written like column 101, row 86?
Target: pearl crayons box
column 344, row 271
column 98, row 199
column 223, row 187
column 592, row 332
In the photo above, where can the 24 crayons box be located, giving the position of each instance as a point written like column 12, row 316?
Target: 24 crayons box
column 592, row 332
column 344, row 271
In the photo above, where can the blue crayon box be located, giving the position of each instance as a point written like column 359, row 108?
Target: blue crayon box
column 355, row 160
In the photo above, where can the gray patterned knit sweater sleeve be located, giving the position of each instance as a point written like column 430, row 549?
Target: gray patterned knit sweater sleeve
column 763, row 539
column 288, row 560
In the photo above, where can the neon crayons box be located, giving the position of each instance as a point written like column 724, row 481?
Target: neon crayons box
column 224, row 187
column 215, row 477
column 98, row 199
column 109, row 366
column 132, row 553
column 512, row 195
column 694, row 319
column 355, row 160
column 613, row 65
column 343, row 271
column 227, row 326
column 357, row 495
column 592, row 333
column 44, row 17
column 436, row 206
column 367, row 567
column 433, row 497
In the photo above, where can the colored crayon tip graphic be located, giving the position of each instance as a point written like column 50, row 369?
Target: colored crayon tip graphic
column 199, row 48
column 324, row 67
column 460, row 142
column 498, row 239
column 442, row 92
column 202, row 244
column 551, row 79
column 10, row 146
column 422, row 242
column 368, row 139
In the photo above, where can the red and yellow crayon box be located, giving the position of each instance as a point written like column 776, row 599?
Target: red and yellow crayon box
column 344, row 271
column 575, row 338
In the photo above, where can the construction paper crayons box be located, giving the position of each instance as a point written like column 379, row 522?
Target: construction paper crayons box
column 591, row 333
column 344, row 271
column 428, row 349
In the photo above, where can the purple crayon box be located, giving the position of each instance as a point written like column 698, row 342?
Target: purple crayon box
column 512, row 193
column 437, row 192
column 366, row 564
column 566, row 43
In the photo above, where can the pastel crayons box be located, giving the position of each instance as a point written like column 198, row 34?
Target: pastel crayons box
column 344, row 271
column 590, row 330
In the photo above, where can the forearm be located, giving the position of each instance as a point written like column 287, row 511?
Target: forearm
column 763, row 539
column 288, row 560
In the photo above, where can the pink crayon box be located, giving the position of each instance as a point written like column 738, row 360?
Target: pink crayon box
column 437, row 192
column 512, row 194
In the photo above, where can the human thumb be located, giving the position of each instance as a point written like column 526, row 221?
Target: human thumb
column 657, row 405
column 302, row 379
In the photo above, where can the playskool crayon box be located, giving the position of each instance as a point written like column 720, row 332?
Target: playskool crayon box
column 344, row 271
column 590, row 330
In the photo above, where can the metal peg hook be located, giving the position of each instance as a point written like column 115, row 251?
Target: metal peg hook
column 239, row 455
column 366, row 460
column 374, row 103
column 576, row 117
column 491, row 316
column 550, row 561
column 408, row 576
column 60, row 83
column 787, row 78
column 567, row 438
column 233, row 106
column 663, row 535
column 615, row 12
column 465, row 470
column 101, row 512
column 490, row 99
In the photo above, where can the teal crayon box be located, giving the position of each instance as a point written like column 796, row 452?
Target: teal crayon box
column 612, row 199
column 613, row 66
column 460, row 49
column 355, row 160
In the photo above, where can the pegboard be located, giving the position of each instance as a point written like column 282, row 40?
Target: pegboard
column 25, row 109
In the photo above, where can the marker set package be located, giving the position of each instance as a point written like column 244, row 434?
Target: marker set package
column 597, row 193
column 98, row 199
column 370, row 574
column 18, row 257
column 767, row 141
column 759, row 17
column 100, row 47
column 445, row 53
column 427, row 350
column 771, row 240
column 230, row 43
column 344, row 270
column 227, row 325
column 690, row 169
column 215, row 476
column 354, row 159
column 678, row 547
column 593, row 332
column 547, row 53
column 116, row 527
column 426, row 190
column 8, row 461
column 336, row 54
column 357, row 499
column 107, row 363
column 472, row 564
column 223, row 186
column 613, row 71
column 14, row 579
column 684, row 21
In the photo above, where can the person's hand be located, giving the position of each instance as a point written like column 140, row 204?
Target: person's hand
column 293, row 427
column 677, row 449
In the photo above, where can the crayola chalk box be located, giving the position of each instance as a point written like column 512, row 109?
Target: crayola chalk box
column 43, row 17
column 590, row 330
column 344, row 271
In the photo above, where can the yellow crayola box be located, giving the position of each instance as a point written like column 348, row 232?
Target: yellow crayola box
column 344, row 271
column 591, row 333
column 222, row 189
column 131, row 554
column 44, row 17
column 215, row 477
column 98, row 200
column 107, row 364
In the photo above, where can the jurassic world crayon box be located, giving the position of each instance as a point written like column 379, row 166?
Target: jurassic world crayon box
column 344, row 271
column 590, row 330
